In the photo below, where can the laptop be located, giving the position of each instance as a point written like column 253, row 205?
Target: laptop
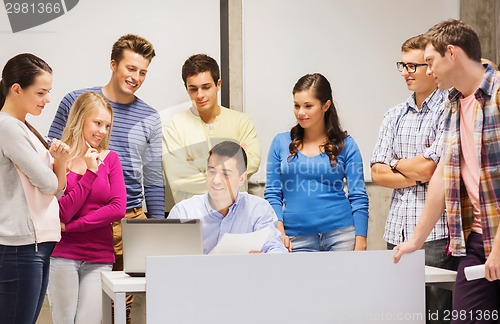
column 157, row 237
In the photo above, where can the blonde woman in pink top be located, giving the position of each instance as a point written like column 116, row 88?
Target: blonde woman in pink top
column 95, row 197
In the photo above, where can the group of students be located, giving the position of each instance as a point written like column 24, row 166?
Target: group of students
column 439, row 152
column 107, row 153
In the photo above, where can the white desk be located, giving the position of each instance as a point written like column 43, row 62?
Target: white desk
column 440, row 277
column 116, row 284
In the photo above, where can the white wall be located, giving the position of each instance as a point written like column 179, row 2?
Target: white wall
column 354, row 43
column 78, row 44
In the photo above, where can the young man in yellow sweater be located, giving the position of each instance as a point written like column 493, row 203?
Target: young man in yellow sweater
column 190, row 134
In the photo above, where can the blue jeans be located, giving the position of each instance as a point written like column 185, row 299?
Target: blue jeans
column 24, row 274
column 338, row 240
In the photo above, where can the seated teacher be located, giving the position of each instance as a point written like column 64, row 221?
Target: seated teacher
column 225, row 210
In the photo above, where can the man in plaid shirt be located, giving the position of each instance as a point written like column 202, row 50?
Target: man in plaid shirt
column 408, row 149
column 467, row 178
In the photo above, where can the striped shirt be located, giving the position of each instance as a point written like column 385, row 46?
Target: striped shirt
column 136, row 138
column 405, row 133
column 487, row 142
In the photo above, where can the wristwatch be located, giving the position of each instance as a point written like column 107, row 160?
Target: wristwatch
column 394, row 164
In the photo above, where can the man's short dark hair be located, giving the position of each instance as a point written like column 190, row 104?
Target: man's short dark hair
column 200, row 63
column 457, row 33
column 231, row 150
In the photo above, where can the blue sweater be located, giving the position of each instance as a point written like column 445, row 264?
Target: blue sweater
column 308, row 195
column 137, row 139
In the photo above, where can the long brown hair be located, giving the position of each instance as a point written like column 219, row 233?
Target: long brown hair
column 333, row 130
column 22, row 69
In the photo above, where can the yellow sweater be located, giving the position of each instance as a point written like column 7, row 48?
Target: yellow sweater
column 187, row 141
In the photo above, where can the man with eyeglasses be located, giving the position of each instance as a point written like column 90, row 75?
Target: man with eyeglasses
column 405, row 157
column 467, row 179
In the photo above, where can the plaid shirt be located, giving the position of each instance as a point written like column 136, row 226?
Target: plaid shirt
column 487, row 139
column 406, row 132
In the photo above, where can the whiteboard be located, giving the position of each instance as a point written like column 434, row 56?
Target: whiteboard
column 293, row 288
column 77, row 45
column 353, row 43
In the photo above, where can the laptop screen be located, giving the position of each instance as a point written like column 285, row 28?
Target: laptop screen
column 158, row 237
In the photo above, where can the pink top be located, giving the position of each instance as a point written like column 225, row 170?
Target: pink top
column 469, row 165
column 89, row 205
column 42, row 206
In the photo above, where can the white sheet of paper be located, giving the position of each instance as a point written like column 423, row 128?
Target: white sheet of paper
column 241, row 243
column 474, row 272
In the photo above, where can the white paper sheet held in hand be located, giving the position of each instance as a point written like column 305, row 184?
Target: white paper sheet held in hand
column 241, row 243
column 474, row 272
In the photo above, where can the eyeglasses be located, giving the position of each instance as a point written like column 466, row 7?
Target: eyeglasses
column 410, row 67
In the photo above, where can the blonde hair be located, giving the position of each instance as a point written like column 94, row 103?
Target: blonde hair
column 83, row 107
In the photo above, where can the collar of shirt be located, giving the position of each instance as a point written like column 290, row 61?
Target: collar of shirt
column 486, row 87
column 214, row 213
column 432, row 101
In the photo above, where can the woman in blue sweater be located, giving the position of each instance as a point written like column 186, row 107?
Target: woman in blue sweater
column 306, row 173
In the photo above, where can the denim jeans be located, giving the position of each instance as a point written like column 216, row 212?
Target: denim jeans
column 438, row 301
column 24, row 274
column 338, row 240
column 75, row 290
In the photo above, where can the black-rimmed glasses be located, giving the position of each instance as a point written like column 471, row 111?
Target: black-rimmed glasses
column 410, row 67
